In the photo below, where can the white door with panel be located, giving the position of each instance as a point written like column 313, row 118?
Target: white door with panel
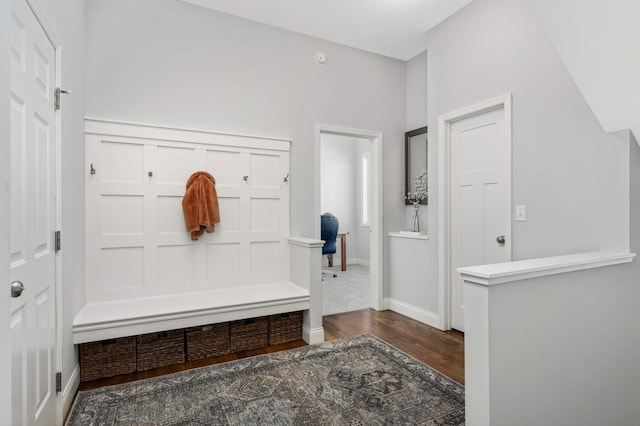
column 480, row 201
column 33, row 220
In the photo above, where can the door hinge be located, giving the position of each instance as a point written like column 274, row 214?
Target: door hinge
column 59, row 92
column 57, row 241
column 58, row 382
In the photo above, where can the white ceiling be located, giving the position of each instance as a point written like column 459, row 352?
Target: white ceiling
column 394, row 28
column 597, row 39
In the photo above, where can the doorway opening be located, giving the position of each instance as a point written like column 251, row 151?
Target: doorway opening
column 348, row 184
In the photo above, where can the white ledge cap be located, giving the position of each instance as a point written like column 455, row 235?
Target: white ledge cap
column 410, row 234
column 306, row 242
column 500, row 273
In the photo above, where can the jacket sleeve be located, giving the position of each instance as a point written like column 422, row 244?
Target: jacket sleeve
column 190, row 207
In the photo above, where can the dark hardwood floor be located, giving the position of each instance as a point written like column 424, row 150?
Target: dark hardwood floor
column 444, row 351
column 441, row 350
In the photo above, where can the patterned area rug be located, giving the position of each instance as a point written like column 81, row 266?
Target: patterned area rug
column 355, row 381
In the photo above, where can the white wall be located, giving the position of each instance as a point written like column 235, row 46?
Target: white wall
column 423, row 296
column 416, row 118
column 164, row 61
column 417, row 92
column 597, row 41
column 5, row 226
column 563, row 349
column 67, row 20
column 363, row 238
column 577, row 331
column 566, row 170
column 340, row 191
column 569, row 355
column 338, row 179
column 408, row 286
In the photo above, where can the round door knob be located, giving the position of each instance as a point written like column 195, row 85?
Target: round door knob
column 500, row 239
column 16, row 288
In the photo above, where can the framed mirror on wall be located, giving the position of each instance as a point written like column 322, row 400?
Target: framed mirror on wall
column 415, row 160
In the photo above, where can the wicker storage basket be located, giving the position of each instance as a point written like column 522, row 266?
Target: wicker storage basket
column 160, row 349
column 285, row 328
column 107, row 358
column 207, row 341
column 249, row 334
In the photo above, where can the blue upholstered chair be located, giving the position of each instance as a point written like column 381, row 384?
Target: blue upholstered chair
column 329, row 232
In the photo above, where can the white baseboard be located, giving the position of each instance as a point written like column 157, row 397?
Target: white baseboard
column 313, row 336
column 69, row 391
column 413, row 312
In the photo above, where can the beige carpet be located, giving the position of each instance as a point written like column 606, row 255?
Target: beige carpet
column 348, row 291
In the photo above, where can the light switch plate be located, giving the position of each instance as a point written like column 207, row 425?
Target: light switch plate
column 521, row 214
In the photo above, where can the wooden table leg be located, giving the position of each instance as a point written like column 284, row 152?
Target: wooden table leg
column 330, row 260
column 343, row 251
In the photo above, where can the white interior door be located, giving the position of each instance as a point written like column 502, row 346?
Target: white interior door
column 33, row 186
column 480, row 198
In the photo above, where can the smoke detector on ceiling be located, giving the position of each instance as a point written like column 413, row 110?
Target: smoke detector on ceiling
column 321, row 58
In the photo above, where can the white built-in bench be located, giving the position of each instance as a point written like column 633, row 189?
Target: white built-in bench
column 144, row 274
column 109, row 320
column 131, row 317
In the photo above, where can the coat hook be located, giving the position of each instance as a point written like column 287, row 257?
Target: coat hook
column 93, row 171
column 286, row 178
column 150, row 173
column 245, row 178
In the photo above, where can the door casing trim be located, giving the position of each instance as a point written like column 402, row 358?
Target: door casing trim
column 445, row 213
column 375, row 220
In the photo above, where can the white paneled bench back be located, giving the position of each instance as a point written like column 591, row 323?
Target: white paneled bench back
column 141, row 261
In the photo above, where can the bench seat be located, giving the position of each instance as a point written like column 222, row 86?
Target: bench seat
column 131, row 317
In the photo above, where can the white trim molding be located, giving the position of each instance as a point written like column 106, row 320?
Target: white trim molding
column 413, row 312
column 410, row 235
column 375, row 219
column 501, row 273
column 306, row 242
column 313, row 336
column 445, row 213
column 105, row 127
column 70, row 389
